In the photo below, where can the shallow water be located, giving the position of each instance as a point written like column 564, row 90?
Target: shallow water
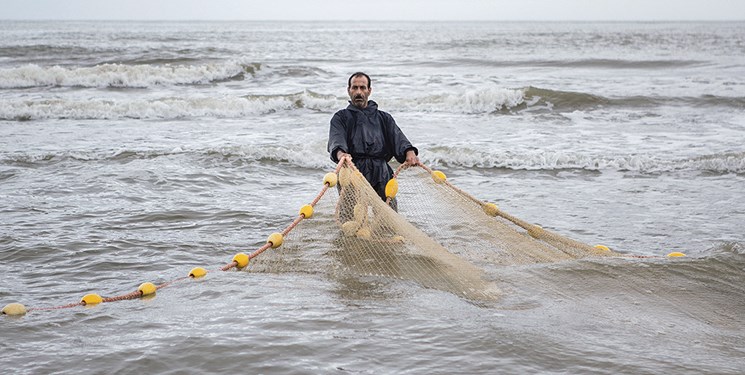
column 134, row 152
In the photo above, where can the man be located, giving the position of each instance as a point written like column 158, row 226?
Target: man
column 369, row 136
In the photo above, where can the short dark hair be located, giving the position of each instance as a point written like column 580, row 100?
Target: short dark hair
column 359, row 74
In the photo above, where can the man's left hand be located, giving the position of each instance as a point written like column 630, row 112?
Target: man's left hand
column 411, row 158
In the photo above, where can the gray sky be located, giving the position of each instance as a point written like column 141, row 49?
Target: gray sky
column 374, row 10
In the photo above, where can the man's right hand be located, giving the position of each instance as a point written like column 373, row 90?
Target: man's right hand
column 341, row 154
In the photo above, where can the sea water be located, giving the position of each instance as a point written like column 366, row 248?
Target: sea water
column 133, row 151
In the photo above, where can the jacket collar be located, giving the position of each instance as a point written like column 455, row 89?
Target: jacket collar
column 371, row 107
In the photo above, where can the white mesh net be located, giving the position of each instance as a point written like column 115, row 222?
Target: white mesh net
column 441, row 237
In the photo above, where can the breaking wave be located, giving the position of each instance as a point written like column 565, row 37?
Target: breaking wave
column 575, row 63
column 477, row 101
column 305, row 155
column 124, row 76
column 494, row 100
column 313, row 155
column 164, row 108
column 559, row 160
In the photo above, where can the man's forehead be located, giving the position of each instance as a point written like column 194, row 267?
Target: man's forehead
column 359, row 81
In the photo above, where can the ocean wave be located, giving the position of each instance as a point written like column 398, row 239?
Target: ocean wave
column 164, row 108
column 558, row 160
column 476, row 101
column 495, row 100
column 574, row 63
column 35, row 51
column 313, row 155
column 568, row 101
column 482, row 100
column 304, row 155
column 124, row 76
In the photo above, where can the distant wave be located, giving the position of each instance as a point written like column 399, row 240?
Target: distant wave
column 472, row 101
column 477, row 101
column 164, row 108
column 552, row 160
column 486, row 100
column 496, row 100
column 577, row 63
column 33, row 51
column 313, row 155
column 305, row 155
column 124, row 76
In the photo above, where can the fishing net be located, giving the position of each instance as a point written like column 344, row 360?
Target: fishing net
column 430, row 232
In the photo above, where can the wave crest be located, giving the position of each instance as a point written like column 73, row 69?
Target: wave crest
column 313, row 155
column 304, row 155
column 124, row 76
column 489, row 100
column 486, row 100
column 474, row 101
column 559, row 160
column 164, row 108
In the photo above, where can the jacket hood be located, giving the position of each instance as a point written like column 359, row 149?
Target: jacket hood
column 371, row 107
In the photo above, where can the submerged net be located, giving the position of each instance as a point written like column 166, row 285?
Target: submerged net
column 431, row 233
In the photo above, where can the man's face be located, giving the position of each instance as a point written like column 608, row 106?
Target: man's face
column 359, row 92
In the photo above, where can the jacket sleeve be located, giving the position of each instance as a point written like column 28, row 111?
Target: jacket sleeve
column 399, row 144
column 337, row 136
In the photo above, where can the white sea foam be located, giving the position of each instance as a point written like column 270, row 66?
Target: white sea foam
column 479, row 100
column 120, row 75
column 482, row 101
column 557, row 160
column 162, row 108
column 313, row 155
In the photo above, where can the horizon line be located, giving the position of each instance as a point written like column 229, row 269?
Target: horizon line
column 366, row 20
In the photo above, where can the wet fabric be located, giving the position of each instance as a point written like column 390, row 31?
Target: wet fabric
column 373, row 138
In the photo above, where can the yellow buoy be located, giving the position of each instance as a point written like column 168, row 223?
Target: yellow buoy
column 439, row 177
column 306, row 211
column 14, row 309
column 197, row 272
column 602, row 247
column 241, row 260
column 91, row 299
column 391, row 188
column 491, row 209
column 330, row 179
column 276, row 240
column 676, row 254
column 147, row 289
column 398, row 239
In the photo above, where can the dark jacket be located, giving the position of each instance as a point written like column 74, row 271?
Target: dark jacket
column 372, row 138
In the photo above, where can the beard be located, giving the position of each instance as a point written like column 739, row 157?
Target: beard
column 359, row 101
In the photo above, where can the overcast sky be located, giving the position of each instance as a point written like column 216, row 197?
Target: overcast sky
column 374, row 10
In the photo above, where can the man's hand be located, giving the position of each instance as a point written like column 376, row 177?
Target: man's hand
column 341, row 154
column 411, row 158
